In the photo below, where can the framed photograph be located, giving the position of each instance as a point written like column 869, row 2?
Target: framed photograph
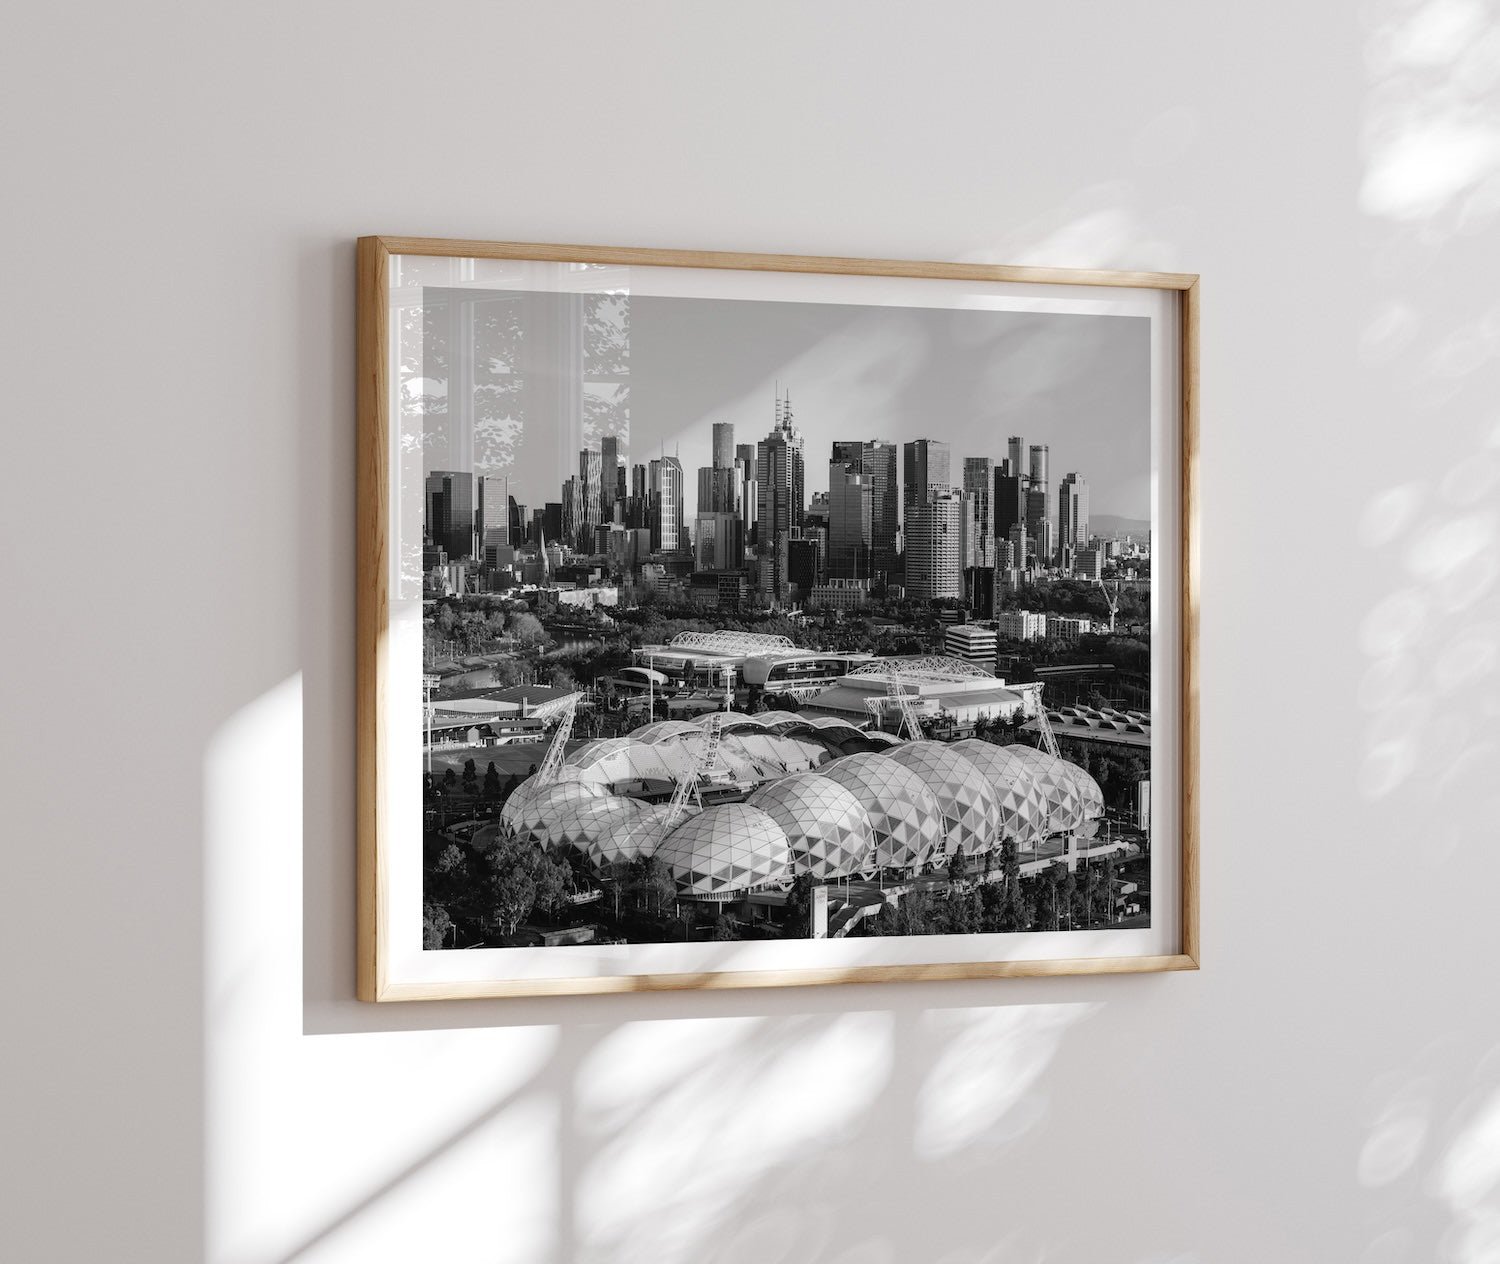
column 733, row 620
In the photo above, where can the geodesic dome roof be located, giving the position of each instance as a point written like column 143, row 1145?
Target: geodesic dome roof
column 725, row 851
column 1054, row 777
column 552, row 816
column 522, row 799
column 615, row 759
column 729, row 719
column 631, row 838
column 772, row 718
column 971, row 812
column 828, row 829
column 904, row 815
column 1023, row 807
column 662, row 729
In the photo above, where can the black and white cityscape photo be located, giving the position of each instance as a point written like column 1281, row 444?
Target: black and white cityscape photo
column 751, row 620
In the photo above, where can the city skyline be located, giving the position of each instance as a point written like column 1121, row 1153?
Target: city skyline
column 1077, row 384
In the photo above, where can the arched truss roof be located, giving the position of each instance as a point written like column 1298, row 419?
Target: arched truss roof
column 731, row 642
column 931, row 667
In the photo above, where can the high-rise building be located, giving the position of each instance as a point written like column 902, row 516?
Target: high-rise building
column 718, row 541
column 848, row 452
column 1018, row 551
column 450, row 512
column 926, row 470
column 666, row 506
column 1072, row 515
column 934, row 564
column 609, row 476
column 638, row 481
column 723, row 445
column 572, row 509
column 782, row 508
column 979, row 483
column 850, row 504
column 551, row 524
column 1015, row 457
column 1039, row 503
column 1009, row 503
column 493, row 525
column 804, row 566
column 878, row 465
column 749, row 489
column 718, row 489
column 591, row 493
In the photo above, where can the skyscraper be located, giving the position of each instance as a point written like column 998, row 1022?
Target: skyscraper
column 878, row 464
column 1015, row 457
column 782, row 508
column 609, row 476
column 850, row 501
column 493, row 526
column 718, row 489
column 450, row 512
column 723, row 445
column 1009, row 503
column 591, row 497
column 666, row 512
column 1039, row 501
column 934, row 567
column 1072, row 515
column 979, row 483
column 927, row 469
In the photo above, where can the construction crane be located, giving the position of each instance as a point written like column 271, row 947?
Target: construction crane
column 553, row 760
column 1112, row 599
column 687, row 785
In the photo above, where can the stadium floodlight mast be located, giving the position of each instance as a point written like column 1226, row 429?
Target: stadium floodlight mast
column 553, row 760
column 687, row 784
column 895, row 679
column 429, row 683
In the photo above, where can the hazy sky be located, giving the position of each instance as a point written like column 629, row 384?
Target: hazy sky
column 1080, row 384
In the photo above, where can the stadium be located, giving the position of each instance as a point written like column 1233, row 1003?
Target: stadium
column 736, row 806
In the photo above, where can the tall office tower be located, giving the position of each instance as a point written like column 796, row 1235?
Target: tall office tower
column 450, row 512
column 1018, row 557
column 934, row 565
column 979, row 482
column 782, row 510
column 1072, row 515
column 493, row 526
column 1039, row 506
column 1046, row 542
column 572, row 509
column 805, row 565
column 718, row 542
column 749, row 489
column 1015, row 457
column 926, row 470
column 551, row 525
column 638, row 481
column 591, row 488
column 850, row 503
column 878, row 465
column 609, row 476
column 666, row 511
column 1009, row 503
column 520, row 521
column 718, row 489
column 848, row 452
column 723, row 445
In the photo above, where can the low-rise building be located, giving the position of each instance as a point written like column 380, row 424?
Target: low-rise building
column 1063, row 627
column 841, row 594
column 1020, row 625
column 971, row 642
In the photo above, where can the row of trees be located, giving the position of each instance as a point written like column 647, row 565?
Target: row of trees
column 491, row 893
column 1054, row 899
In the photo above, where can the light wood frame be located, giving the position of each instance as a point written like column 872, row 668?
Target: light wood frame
column 372, row 670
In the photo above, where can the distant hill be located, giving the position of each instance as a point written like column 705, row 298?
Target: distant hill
column 1108, row 524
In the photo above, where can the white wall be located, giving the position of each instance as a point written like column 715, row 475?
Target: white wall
column 186, row 1075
